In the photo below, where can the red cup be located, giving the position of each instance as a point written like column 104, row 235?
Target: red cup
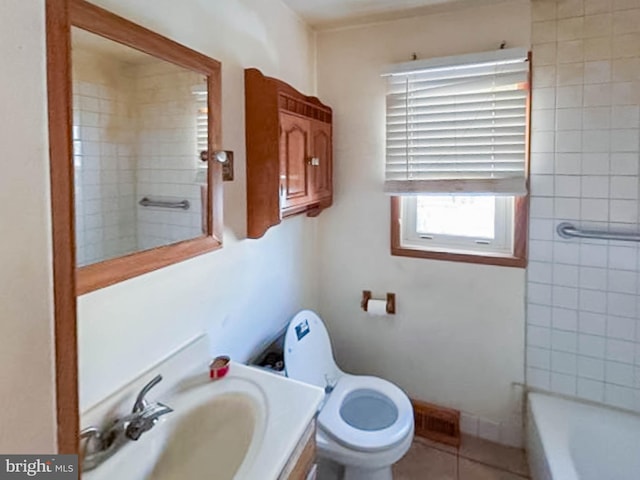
column 219, row 367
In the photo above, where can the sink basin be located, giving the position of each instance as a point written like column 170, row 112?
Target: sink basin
column 213, row 432
column 244, row 427
column 215, row 436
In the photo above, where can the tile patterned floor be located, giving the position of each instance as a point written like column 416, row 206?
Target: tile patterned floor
column 476, row 459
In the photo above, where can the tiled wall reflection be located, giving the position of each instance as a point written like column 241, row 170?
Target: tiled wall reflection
column 583, row 332
column 167, row 154
column 135, row 133
column 103, row 131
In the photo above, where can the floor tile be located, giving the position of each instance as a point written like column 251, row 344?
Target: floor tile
column 470, row 470
column 425, row 463
column 437, row 445
column 489, row 453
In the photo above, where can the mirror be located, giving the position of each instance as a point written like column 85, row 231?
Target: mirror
column 142, row 112
column 139, row 127
column 135, row 137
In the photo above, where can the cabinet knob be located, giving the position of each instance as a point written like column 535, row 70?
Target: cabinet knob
column 314, row 161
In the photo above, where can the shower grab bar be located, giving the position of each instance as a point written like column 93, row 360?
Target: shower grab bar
column 147, row 202
column 567, row 230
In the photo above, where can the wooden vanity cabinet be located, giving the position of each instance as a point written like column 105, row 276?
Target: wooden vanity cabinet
column 289, row 153
column 302, row 463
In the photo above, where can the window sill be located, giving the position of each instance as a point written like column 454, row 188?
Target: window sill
column 503, row 261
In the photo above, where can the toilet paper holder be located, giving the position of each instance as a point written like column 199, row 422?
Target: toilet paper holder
column 391, row 301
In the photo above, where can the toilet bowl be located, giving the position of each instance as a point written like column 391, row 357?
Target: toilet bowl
column 365, row 423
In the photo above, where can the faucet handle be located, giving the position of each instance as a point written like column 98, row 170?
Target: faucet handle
column 140, row 403
column 145, row 420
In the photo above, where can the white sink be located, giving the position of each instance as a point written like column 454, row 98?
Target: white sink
column 244, row 426
column 212, row 432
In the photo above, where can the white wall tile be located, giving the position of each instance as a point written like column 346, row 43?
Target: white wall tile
column 563, row 341
column 595, row 164
column 587, row 172
column 597, row 6
column 568, row 118
column 621, row 327
column 469, row 424
column 565, row 319
column 595, row 186
column 599, row 48
column 623, row 281
column 569, row 29
column 624, row 188
column 592, row 390
column 539, row 378
column 543, row 10
column 565, row 275
column 593, row 301
column 568, row 163
column 544, row 32
column 592, row 368
column 622, row 258
column 591, row 346
column 563, row 383
column 538, row 337
column 488, row 430
column 539, row 358
column 624, row 164
column 539, row 315
column 567, row 186
column 620, row 351
column 619, row 396
column 544, row 54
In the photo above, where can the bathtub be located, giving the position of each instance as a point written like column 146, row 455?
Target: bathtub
column 568, row 440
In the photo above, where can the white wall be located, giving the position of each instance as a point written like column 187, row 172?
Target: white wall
column 239, row 294
column 26, row 319
column 584, row 296
column 458, row 337
column 250, row 288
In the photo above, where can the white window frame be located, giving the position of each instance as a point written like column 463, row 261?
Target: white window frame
column 502, row 245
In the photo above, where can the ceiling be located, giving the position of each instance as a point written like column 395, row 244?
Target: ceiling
column 338, row 13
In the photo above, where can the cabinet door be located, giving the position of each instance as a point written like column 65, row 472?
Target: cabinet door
column 321, row 166
column 294, row 154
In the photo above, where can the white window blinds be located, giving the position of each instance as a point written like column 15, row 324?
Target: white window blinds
column 458, row 125
column 202, row 130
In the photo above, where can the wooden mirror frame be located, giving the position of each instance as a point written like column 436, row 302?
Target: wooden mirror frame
column 70, row 281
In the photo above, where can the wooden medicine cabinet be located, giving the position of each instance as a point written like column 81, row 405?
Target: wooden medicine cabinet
column 289, row 153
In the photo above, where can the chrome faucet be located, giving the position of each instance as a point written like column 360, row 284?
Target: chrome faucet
column 99, row 445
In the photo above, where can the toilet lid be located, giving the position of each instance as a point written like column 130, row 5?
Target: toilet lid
column 307, row 351
column 367, row 413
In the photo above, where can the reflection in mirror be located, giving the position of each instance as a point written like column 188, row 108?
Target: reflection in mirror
column 139, row 127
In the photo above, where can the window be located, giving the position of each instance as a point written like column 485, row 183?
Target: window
column 202, row 120
column 456, row 163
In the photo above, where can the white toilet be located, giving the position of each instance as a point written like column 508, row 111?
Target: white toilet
column 365, row 423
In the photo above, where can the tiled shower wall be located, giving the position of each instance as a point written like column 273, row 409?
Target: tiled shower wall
column 103, row 135
column 135, row 136
column 583, row 300
column 167, row 155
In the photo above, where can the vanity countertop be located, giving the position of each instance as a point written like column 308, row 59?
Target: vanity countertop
column 203, row 437
column 293, row 405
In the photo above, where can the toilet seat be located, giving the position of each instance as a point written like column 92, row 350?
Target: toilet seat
column 378, row 437
column 308, row 357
